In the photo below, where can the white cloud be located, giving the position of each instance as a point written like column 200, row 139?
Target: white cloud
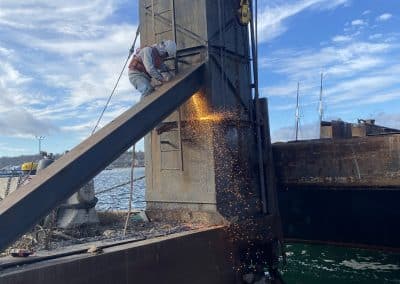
column 356, row 73
column 366, row 12
column 375, row 36
column 10, row 76
column 388, row 119
column 306, row 131
column 381, row 97
column 18, row 122
column 83, row 54
column 6, row 52
column 51, row 15
column 111, row 37
column 12, row 151
column 343, row 60
column 341, row 38
column 84, row 127
column 358, row 22
column 384, row 17
column 355, row 89
column 273, row 16
column 89, row 68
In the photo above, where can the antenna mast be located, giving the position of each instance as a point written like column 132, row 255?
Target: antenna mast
column 297, row 112
column 321, row 107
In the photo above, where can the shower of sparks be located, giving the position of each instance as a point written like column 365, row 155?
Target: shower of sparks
column 202, row 110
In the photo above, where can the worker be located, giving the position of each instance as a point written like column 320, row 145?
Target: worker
column 148, row 63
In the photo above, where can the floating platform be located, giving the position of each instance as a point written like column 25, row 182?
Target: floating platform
column 343, row 191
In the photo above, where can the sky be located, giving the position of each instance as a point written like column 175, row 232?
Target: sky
column 60, row 61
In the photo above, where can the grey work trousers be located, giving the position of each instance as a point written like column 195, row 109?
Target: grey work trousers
column 141, row 82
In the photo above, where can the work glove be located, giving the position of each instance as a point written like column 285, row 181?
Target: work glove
column 168, row 77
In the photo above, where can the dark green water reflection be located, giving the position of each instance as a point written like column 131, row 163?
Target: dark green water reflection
column 311, row 263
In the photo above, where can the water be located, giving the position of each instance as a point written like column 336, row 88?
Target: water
column 118, row 199
column 312, row 263
column 306, row 263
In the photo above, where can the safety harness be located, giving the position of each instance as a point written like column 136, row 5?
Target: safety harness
column 137, row 62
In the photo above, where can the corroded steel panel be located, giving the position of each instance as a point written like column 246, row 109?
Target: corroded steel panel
column 203, row 256
column 361, row 216
column 357, row 162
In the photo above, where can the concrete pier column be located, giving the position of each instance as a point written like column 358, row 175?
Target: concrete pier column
column 201, row 162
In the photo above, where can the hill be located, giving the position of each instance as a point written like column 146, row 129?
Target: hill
column 123, row 161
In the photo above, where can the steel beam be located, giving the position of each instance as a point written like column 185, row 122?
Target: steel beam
column 25, row 207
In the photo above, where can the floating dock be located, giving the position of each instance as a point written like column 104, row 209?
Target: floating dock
column 341, row 190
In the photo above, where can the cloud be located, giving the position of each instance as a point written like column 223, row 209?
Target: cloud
column 272, row 18
column 12, row 151
column 336, row 60
column 60, row 61
column 375, row 36
column 358, row 22
column 355, row 73
column 104, row 42
column 384, row 17
column 391, row 120
column 306, row 131
column 381, row 97
column 10, row 76
column 354, row 89
column 73, row 15
column 341, row 38
column 18, row 122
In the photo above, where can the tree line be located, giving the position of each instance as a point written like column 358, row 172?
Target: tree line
column 125, row 160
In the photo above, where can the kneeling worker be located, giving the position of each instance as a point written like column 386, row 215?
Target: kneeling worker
column 148, row 63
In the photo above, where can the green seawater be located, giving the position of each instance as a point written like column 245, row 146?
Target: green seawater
column 312, row 263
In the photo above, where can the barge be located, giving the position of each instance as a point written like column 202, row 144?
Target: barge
column 342, row 188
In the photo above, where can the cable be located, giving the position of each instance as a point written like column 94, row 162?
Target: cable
column 118, row 186
column 131, row 191
column 119, row 78
column 257, row 118
column 256, row 28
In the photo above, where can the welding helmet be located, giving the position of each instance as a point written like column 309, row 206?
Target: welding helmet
column 169, row 47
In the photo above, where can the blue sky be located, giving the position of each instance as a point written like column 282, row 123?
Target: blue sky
column 60, row 59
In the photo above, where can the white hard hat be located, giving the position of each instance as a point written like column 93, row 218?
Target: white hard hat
column 170, row 47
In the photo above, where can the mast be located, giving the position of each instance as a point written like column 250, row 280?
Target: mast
column 297, row 112
column 321, row 107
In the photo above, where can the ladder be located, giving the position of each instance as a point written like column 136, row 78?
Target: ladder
column 158, row 12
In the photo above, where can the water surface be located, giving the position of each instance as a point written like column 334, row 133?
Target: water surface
column 313, row 263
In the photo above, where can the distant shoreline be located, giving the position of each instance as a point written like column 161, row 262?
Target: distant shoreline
column 124, row 161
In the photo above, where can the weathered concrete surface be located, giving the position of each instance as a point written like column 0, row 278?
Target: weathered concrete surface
column 203, row 256
column 75, row 211
column 209, row 162
column 359, row 162
column 79, row 209
column 8, row 185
